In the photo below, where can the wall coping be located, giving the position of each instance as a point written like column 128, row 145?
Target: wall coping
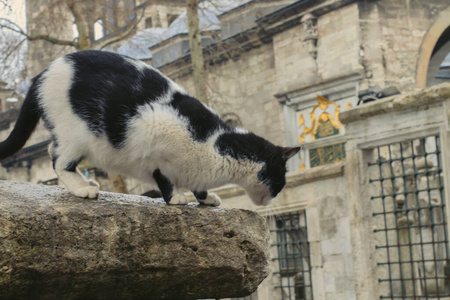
column 293, row 179
column 402, row 102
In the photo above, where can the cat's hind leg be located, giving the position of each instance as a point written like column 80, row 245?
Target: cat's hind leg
column 206, row 198
column 66, row 169
column 166, row 188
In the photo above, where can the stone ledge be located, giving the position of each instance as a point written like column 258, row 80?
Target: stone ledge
column 56, row 246
column 315, row 174
column 413, row 100
column 292, row 179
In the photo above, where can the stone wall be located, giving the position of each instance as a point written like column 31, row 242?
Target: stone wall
column 371, row 54
column 282, row 65
column 338, row 200
column 252, row 99
column 160, row 14
column 322, row 193
column 403, row 28
column 338, row 45
column 359, row 44
column 337, row 51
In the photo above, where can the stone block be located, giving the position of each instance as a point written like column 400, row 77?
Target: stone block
column 57, row 246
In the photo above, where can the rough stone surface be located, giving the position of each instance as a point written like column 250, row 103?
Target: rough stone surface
column 56, row 246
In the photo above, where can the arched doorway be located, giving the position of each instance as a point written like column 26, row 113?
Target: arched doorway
column 439, row 65
column 432, row 64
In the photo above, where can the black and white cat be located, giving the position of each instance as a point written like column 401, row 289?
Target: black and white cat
column 126, row 117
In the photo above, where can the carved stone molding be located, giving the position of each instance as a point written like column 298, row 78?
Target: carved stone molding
column 310, row 38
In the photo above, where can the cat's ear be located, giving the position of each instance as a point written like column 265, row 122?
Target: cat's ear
column 288, row 152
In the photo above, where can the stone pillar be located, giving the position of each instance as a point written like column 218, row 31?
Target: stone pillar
column 445, row 148
column 360, row 212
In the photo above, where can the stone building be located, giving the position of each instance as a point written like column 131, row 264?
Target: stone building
column 361, row 85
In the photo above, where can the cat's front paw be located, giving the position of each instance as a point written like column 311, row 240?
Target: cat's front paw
column 87, row 192
column 178, row 199
column 212, row 200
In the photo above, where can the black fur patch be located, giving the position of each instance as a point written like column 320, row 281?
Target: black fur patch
column 152, row 194
column 27, row 120
column 107, row 90
column 54, row 159
column 164, row 185
column 245, row 146
column 72, row 166
column 254, row 148
column 200, row 195
column 274, row 176
column 53, row 155
column 202, row 122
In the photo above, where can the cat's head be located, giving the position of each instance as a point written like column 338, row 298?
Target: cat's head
column 261, row 164
column 272, row 177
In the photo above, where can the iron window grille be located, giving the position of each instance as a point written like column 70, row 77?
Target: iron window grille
column 293, row 256
column 411, row 224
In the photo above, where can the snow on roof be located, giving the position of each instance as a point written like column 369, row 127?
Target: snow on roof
column 223, row 6
column 208, row 13
column 138, row 46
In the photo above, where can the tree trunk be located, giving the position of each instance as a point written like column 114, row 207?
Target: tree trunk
column 84, row 40
column 195, row 43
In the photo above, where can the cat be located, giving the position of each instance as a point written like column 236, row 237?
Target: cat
column 126, row 117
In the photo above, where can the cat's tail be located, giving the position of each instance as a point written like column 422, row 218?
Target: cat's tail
column 29, row 116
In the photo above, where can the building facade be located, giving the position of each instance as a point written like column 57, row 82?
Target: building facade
column 362, row 86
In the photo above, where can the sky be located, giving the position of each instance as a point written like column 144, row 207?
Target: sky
column 16, row 13
column 12, row 66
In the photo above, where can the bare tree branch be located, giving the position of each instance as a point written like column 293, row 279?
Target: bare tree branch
column 11, row 52
column 120, row 35
column 53, row 40
column 6, row 4
column 8, row 24
column 12, row 58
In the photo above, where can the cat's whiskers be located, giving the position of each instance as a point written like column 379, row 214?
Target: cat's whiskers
column 274, row 209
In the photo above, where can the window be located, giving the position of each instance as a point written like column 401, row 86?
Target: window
column 291, row 240
column 444, row 70
column 409, row 215
column 253, row 296
column 98, row 30
column 148, row 22
column 439, row 64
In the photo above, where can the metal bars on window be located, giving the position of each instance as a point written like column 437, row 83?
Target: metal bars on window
column 293, row 257
column 411, row 223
